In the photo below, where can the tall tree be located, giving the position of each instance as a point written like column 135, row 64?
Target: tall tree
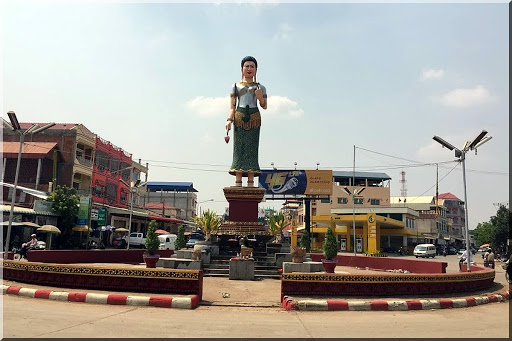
column 484, row 233
column 65, row 203
column 501, row 223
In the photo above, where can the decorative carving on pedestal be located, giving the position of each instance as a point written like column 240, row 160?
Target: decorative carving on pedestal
column 243, row 211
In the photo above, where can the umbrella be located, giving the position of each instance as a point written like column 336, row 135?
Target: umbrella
column 31, row 224
column 121, row 229
column 82, row 228
column 161, row 232
column 484, row 245
column 49, row 230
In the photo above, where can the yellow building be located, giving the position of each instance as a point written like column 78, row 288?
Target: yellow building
column 379, row 226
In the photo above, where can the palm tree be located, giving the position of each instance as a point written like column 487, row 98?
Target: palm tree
column 209, row 223
column 276, row 224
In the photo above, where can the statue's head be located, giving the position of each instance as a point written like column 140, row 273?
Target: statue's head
column 249, row 59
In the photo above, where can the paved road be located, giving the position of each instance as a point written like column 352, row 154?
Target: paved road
column 26, row 317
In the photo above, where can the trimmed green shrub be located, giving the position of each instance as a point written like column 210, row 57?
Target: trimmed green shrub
column 305, row 241
column 330, row 245
column 180, row 241
column 152, row 241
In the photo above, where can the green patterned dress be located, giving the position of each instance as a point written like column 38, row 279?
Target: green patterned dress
column 246, row 132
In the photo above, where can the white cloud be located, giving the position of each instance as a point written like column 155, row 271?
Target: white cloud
column 218, row 106
column 461, row 98
column 432, row 74
column 283, row 107
column 209, row 106
column 284, row 32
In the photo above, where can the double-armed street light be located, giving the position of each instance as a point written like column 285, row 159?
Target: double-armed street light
column 461, row 155
column 15, row 126
column 133, row 188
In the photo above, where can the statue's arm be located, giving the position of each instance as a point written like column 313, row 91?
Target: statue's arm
column 232, row 109
column 261, row 95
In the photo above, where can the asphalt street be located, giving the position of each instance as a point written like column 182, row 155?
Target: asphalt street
column 26, row 317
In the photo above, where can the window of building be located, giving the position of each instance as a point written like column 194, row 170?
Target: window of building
column 374, row 201
column 358, row 201
column 342, row 200
column 325, row 201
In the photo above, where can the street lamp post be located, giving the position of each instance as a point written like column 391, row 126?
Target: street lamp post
column 461, row 154
column 133, row 189
column 200, row 202
column 15, row 126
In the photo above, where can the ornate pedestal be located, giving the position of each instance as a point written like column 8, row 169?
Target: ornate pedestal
column 243, row 211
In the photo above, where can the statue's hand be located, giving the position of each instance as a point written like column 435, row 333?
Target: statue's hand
column 259, row 93
column 228, row 125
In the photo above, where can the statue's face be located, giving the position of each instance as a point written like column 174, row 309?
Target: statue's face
column 249, row 69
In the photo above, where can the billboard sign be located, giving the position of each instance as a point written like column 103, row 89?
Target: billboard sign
column 295, row 183
column 83, row 211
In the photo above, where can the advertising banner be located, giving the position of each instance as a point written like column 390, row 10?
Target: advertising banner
column 296, row 182
column 83, row 211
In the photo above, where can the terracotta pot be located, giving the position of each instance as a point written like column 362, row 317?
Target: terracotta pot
column 150, row 260
column 329, row 265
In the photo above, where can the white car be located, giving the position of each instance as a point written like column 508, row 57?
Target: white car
column 425, row 250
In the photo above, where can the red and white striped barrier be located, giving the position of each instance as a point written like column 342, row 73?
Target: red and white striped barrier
column 381, row 305
column 114, row 299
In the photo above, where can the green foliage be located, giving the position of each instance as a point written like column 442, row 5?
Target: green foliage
column 501, row 223
column 494, row 232
column 330, row 245
column 209, row 223
column 152, row 241
column 276, row 223
column 180, row 241
column 305, row 240
column 65, row 203
column 483, row 233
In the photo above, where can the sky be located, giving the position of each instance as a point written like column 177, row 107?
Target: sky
column 154, row 80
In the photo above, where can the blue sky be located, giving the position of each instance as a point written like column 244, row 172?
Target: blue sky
column 154, row 79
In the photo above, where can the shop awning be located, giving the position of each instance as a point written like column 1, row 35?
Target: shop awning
column 170, row 220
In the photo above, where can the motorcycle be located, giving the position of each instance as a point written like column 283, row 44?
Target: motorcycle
column 507, row 269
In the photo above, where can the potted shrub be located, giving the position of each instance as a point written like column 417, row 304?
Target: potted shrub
column 305, row 241
column 330, row 249
column 152, row 244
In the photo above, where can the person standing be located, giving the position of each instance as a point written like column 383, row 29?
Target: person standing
column 245, row 116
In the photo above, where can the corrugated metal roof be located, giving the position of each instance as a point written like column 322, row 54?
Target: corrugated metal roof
column 154, row 186
column 29, row 150
column 25, row 210
column 360, row 175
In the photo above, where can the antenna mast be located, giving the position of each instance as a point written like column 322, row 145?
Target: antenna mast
column 403, row 190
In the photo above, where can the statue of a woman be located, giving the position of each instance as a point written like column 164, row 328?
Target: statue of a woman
column 247, row 121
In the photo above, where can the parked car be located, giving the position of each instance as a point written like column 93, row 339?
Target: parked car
column 425, row 250
column 452, row 251
column 137, row 240
column 191, row 242
column 167, row 241
column 473, row 251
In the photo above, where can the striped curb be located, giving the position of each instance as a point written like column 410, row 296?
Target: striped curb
column 112, row 299
column 383, row 305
